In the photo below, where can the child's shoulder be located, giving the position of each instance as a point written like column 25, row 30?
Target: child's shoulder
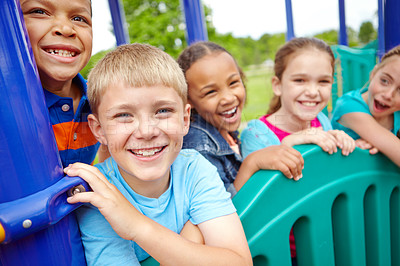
column 200, row 138
column 349, row 103
column 108, row 168
column 191, row 160
column 189, row 156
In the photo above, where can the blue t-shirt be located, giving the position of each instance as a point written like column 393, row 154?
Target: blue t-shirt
column 257, row 135
column 195, row 193
column 352, row 102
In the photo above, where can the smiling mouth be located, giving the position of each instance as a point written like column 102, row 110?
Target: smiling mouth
column 230, row 113
column 147, row 152
column 60, row 52
column 380, row 106
column 309, row 104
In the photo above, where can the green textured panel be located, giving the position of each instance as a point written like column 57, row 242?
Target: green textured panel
column 343, row 199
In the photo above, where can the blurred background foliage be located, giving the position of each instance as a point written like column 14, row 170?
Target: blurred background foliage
column 161, row 23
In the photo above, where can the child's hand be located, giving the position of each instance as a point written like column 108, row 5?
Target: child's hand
column 365, row 145
column 312, row 135
column 343, row 141
column 283, row 158
column 118, row 211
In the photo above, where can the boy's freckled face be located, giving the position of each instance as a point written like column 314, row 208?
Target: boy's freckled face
column 144, row 129
column 60, row 33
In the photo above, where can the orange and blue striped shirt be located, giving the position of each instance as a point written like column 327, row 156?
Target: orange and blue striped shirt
column 74, row 138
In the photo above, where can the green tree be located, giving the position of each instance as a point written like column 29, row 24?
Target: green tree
column 156, row 22
column 330, row 36
column 367, row 32
column 159, row 23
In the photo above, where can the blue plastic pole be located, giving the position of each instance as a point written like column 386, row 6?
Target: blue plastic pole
column 381, row 30
column 342, row 24
column 391, row 23
column 289, row 20
column 118, row 21
column 195, row 25
column 29, row 157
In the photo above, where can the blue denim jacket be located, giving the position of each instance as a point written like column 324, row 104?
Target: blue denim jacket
column 206, row 139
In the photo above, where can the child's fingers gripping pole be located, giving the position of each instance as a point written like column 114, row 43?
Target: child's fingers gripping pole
column 96, row 181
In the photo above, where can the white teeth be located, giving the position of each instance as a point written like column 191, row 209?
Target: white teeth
column 309, row 103
column 63, row 53
column 146, row 153
column 230, row 111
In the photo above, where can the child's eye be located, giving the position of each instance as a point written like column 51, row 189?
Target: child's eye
column 164, row 111
column 384, row 81
column 38, row 11
column 234, row 82
column 80, row 19
column 123, row 116
column 209, row 92
column 299, row 80
column 325, row 81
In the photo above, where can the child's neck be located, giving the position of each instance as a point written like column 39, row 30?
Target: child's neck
column 149, row 189
column 65, row 89
column 288, row 122
column 225, row 134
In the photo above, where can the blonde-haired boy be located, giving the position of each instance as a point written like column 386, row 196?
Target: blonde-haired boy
column 138, row 97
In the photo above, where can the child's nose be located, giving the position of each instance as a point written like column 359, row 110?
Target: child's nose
column 228, row 97
column 146, row 129
column 64, row 27
column 312, row 90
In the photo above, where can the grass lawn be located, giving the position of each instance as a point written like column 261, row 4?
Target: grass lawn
column 259, row 93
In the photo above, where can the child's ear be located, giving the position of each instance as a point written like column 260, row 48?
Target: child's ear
column 186, row 118
column 96, row 128
column 276, row 86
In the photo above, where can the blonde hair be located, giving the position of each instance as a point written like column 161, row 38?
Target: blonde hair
column 386, row 58
column 135, row 65
column 286, row 52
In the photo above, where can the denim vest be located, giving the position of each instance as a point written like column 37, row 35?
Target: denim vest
column 206, row 139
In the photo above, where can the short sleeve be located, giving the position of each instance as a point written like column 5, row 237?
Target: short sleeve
column 102, row 245
column 218, row 162
column 207, row 195
column 351, row 102
column 325, row 122
column 256, row 136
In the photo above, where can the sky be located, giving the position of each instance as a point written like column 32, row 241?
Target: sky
column 255, row 17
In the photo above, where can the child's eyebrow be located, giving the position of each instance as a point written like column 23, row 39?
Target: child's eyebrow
column 387, row 74
column 116, row 108
column 164, row 102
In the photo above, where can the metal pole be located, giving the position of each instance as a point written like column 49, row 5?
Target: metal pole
column 118, row 21
column 342, row 24
column 391, row 18
column 381, row 30
column 195, row 25
column 289, row 21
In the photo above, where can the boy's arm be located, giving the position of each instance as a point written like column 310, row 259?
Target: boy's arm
column 225, row 242
column 372, row 132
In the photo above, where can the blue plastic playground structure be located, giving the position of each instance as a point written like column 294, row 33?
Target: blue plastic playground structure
column 37, row 225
